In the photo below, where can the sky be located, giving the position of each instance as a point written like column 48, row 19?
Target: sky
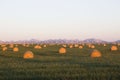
column 59, row 19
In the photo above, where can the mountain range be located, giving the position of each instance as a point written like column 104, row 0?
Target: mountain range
column 60, row 41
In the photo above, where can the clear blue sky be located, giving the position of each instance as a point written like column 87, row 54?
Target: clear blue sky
column 53, row 19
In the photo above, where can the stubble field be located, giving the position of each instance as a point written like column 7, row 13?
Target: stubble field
column 48, row 64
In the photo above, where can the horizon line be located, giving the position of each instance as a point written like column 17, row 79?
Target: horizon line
column 59, row 39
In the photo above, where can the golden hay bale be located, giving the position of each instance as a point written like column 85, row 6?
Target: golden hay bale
column 27, row 45
column 76, row 45
column 71, row 46
column 89, row 45
column 92, row 46
column 118, row 44
column 24, row 45
column 64, row 45
column 11, row 46
column 62, row 50
column 37, row 47
column 3, row 45
column 104, row 45
column 96, row 53
column 114, row 48
column 16, row 45
column 15, row 49
column 80, row 47
column 4, row 48
column 28, row 55
column 45, row 46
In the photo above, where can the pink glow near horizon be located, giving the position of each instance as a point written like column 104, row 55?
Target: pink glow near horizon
column 64, row 19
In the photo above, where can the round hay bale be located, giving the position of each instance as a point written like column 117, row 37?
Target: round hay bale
column 80, row 47
column 15, row 49
column 96, row 53
column 28, row 55
column 114, row 48
column 118, row 44
column 27, row 45
column 45, row 46
column 92, row 46
column 62, row 50
column 4, row 48
column 24, row 45
column 71, row 46
column 64, row 45
column 11, row 46
column 37, row 47
column 16, row 45
column 104, row 45
column 76, row 45
column 3, row 45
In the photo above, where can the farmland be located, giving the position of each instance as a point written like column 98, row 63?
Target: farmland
column 48, row 64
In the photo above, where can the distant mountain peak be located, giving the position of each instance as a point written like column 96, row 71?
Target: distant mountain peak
column 92, row 40
column 60, row 41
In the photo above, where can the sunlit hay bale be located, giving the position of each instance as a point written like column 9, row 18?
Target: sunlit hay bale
column 62, row 50
column 11, row 45
column 37, row 47
column 24, row 45
column 118, row 44
column 92, row 46
column 16, row 45
column 64, row 45
column 89, row 45
column 16, row 49
column 4, row 48
column 83, row 44
column 114, row 48
column 80, row 47
column 27, row 45
column 104, row 45
column 28, row 55
column 3, row 45
column 71, row 46
column 96, row 53
column 44, row 46
column 76, row 45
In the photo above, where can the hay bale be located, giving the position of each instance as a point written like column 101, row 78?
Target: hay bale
column 37, row 47
column 45, row 46
column 62, row 50
column 92, row 46
column 4, row 48
column 114, row 48
column 28, row 55
column 96, row 53
column 27, row 45
column 80, row 47
column 11, row 45
column 24, row 45
column 16, row 45
column 71, row 46
column 104, row 45
column 76, row 45
column 15, row 49
column 118, row 44
column 3, row 45
column 64, row 45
